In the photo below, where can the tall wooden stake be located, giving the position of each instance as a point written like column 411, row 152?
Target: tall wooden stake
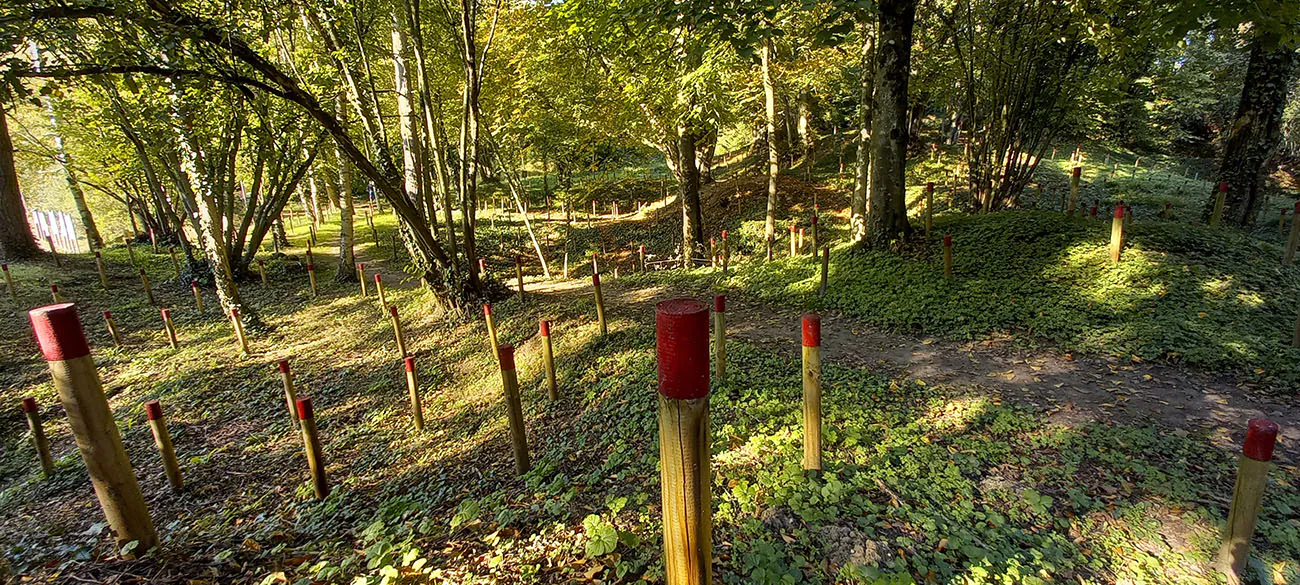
column 42, row 445
column 290, row 395
column 682, row 350
column 600, row 304
column 163, row 440
column 62, row 341
column 397, row 331
column 239, row 329
column 947, row 257
column 361, row 276
column 492, row 331
column 170, row 328
column 826, row 268
column 261, row 269
column 793, row 250
column 99, row 267
column 379, row 289
column 311, row 278
column 130, row 251
column 812, row 392
column 515, row 412
column 1117, row 234
column 112, row 329
column 720, row 336
column 9, row 281
column 548, row 360
column 1247, row 494
column 148, row 289
column 413, row 390
column 54, row 294
column 311, row 442
column 198, row 296
column 1075, row 175
column 1220, row 198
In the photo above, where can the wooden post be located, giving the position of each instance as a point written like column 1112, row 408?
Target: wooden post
column 54, row 294
column 726, row 252
column 397, row 330
column 311, row 442
column 519, row 275
column 62, row 341
column 112, row 329
column 682, row 349
column 1075, row 175
column 9, row 281
column 1220, row 199
column 290, row 396
column 148, row 289
column 947, row 257
column 1117, row 234
column 515, row 412
column 812, row 392
column 548, row 360
column 826, row 267
column 176, row 264
column 816, row 241
column 713, row 252
column 413, row 389
column 720, row 336
column 793, row 250
column 163, row 440
column 99, row 267
column 800, row 246
column 1252, row 477
column 600, row 304
column 53, row 252
column 198, row 296
column 929, row 208
column 379, row 289
column 641, row 254
column 361, row 276
column 566, row 264
column 153, row 240
column 170, row 328
column 261, row 269
column 39, row 441
column 239, row 329
column 130, row 251
column 482, row 268
column 311, row 278
column 492, row 331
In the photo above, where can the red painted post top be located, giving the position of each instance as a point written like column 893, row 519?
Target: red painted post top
column 507, row 353
column 194, row 285
column 283, row 365
column 54, row 288
column 261, row 263
column 97, row 255
column 392, row 310
column 361, row 266
column 4, row 267
column 792, row 227
column 378, row 278
column 595, row 280
column 947, row 241
column 724, row 234
column 29, row 404
column 929, row 186
column 814, row 219
column 1261, row 436
column 108, row 315
column 153, row 410
column 58, row 332
column 720, row 303
column 304, row 408
column 1119, row 212
column 812, row 330
column 234, row 312
column 311, row 268
column 801, row 231
column 482, row 265
column 1223, row 186
column 642, row 248
column 544, row 328
column 409, row 362
column 682, row 348
column 713, row 241
column 166, row 314
column 487, row 309
column 1076, row 172
column 141, row 272
column 1093, row 211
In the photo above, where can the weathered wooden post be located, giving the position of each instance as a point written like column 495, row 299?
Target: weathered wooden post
column 816, row 240
column 826, row 268
column 290, row 395
column 397, row 331
column 1294, row 239
column 1220, row 199
column 163, row 440
column 482, row 268
column 176, row 263
column 169, row 328
column 947, row 257
column 311, row 277
column 239, row 329
column 800, row 247
column 148, row 289
column 1252, row 477
column 361, row 276
column 9, row 281
column 311, row 442
column 379, row 290
column 929, row 207
column 112, row 329
column 600, row 304
column 641, row 252
column 548, row 360
column 63, row 342
column 130, row 250
column 812, row 392
column 153, row 240
column 413, row 389
column 491, row 330
column 793, row 229
column 1075, row 175
column 198, row 296
column 42, row 445
column 726, row 252
column 519, row 275
column 54, row 294
column 514, row 411
column 1117, row 234
column 99, row 267
column 261, row 269
column 713, row 252
column 682, row 351
column 720, row 336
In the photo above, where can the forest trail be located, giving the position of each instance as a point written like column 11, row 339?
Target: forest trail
column 1070, row 390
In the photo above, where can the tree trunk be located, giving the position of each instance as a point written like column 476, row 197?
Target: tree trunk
column 1256, row 131
column 468, row 171
column 887, row 209
column 345, row 271
column 861, row 183
column 16, row 240
column 773, row 157
column 688, row 179
column 408, row 123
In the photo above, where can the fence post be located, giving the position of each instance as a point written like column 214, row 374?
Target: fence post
column 600, row 304
column 682, row 349
column 515, row 412
column 726, row 252
column 812, row 392
column 290, row 395
column 826, row 267
column 482, row 268
column 261, row 269
column 311, row 442
column 170, row 328
column 163, row 440
column 640, row 251
column 239, row 329
column 816, row 240
column 793, row 250
column 198, row 296
column 413, row 389
column 1117, row 234
column 99, row 267
column 397, row 331
column 1220, row 198
column 548, row 360
column 492, row 331
column 54, row 294
column 39, row 441
column 361, row 276
column 112, row 329
column 379, row 290
column 311, row 277
column 1252, row 477
column 148, row 289
column 1075, row 175
column 720, row 336
column 947, row 257
column 9, row 280
column 63, row 343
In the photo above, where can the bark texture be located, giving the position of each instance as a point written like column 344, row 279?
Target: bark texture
column 887, row 216
column 1256, row 131
column 16, row 240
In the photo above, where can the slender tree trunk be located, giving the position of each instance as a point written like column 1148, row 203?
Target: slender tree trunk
column 1256, row 131
column 345, row 271
column 408, row 123
column 468, row 175
column 773, row 157
column 858, row 204
column 689, row 187
column 16, row 240
column 887, row 216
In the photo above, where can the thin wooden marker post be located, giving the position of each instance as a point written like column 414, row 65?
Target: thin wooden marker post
column 816, row 240
column 491, row 330
column 1075, row 175
column 548, row 360
column 929, row 208
column 826, row 267
column 9, row 281
column 600, row 304
column 63, row 342
column 311, row 278
column 397, row 330
column 947, row 257
column 713, row 252
column 148, row 288
column 54, row 294
column 42, row 445
column 153, row 240
column 413, row 390
column 726, row 252
column 163, row 440
column 112, row 329
column 1220, row 199
column 290, row 395
column 379, row 289
column 361, row 276
column 515, row 412
column 198, row 296
column 519, row 275
column 261, row 269
column 682, row 351
column 720, row 336
column 1247, row 494
column 311, row 442
column 170, row 328
column 482, row 268
column 800, row 247
column 239, row 329
column 812, row 392
column 130, row 250
column 1294, row 239
column 99, row 267
column 1117, row 234
column 176, row 263
column 793, row 249
column 641, row 253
